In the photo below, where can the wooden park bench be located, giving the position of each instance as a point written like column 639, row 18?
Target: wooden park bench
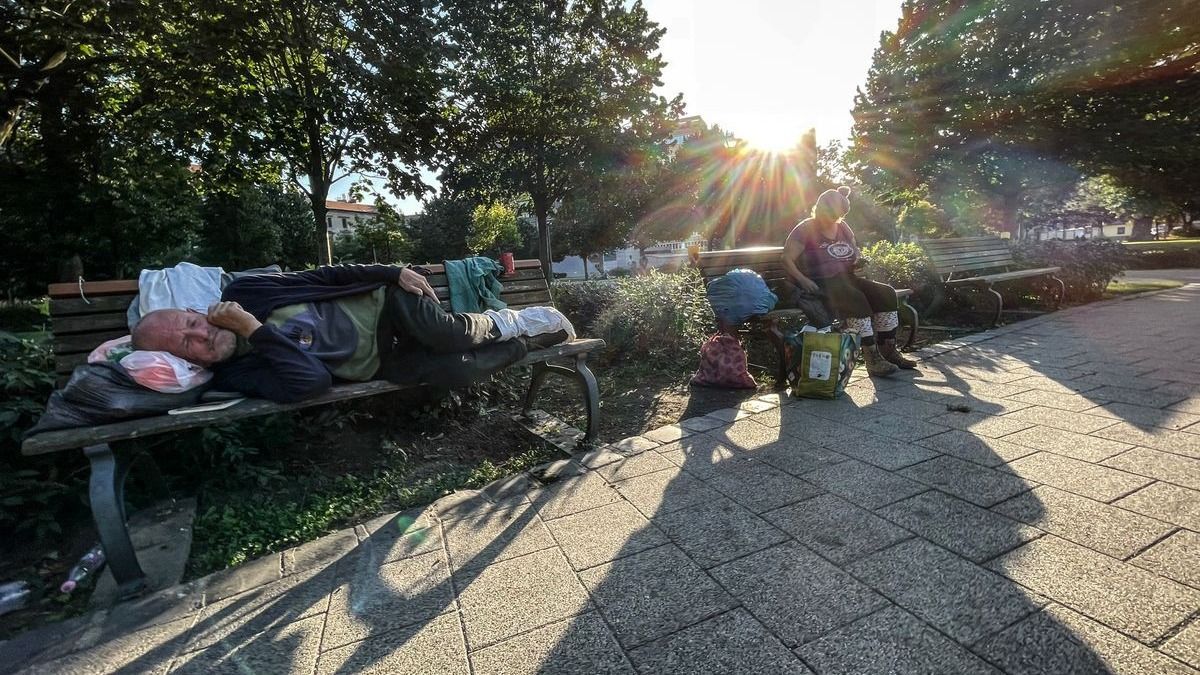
column 85, row 314
column 768, row 262
column 981, row 263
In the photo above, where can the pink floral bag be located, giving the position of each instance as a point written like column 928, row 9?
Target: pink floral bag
column 723, row 364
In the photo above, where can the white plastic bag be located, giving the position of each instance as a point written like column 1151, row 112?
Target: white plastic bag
column 159, row 371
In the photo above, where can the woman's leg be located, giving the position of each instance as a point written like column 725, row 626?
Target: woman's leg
column 848, row 301
column 885, row 318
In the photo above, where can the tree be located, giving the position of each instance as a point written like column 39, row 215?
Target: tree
column 440, row 232
column 328, row 88
column 542, row 90
column 493, row 227
column 1009, row 103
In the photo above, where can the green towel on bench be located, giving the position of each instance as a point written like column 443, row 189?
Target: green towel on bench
column 473, row 284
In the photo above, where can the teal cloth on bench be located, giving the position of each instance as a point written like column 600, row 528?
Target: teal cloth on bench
column 473, row 284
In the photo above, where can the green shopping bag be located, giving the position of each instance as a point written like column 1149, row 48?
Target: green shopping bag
column 820, row 364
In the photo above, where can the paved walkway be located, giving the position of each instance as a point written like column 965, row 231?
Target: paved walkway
column 1029, row 501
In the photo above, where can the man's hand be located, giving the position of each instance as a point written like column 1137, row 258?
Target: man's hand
column 231, row 316
column 415, row 283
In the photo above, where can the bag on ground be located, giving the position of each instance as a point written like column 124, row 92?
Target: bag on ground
column 723, row 364
column 820, row 364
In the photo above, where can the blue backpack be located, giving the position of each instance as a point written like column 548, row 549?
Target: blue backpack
column 738, row 295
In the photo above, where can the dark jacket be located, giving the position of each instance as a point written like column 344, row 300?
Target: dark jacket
column 277, row 369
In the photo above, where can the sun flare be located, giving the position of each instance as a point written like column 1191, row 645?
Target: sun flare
column 772, row 137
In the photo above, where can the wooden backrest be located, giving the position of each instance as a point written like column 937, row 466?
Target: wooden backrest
column 766, row 260
column 967, row 254
column 84, row 315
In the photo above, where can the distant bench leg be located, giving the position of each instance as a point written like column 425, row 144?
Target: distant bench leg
column 999, row 305
column 775, row 336
column 913, row 324
column 106, row 492
column 1062, row 291
column 581, row 374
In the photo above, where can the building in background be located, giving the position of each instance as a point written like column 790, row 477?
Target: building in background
column 341, row 217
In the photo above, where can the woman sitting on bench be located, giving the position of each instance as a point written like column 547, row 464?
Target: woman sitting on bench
column 819, row 256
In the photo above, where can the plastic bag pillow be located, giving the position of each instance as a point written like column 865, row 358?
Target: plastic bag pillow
column 158, row 371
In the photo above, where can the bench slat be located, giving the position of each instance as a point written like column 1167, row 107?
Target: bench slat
column 88, row 323
column 1007, row 276
column 66, row 439
column 94, row 288
column 100, row 305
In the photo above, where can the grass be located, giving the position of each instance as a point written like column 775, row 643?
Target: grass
column 1139, row 286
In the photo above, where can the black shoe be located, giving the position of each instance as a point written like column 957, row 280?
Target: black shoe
column 545, row 340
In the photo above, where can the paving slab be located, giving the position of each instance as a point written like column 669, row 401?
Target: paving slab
column 401, row 535
column 1090, row 480
column 291, row 648
column 698, row 455
column 653, row 593
column 979, row 449
column 718, row 531
column 1068, row 444
column 703, row 423
column 146, row 651
column 1154, row 399
column 1072, row 403
column 1058, row 641
column 970, row 531
column 392, row 596
column 572, row 495
column 795, row 593
column 631, row 467
column 1176, row 442
column 603, row 534
column 668, row 433
column 882, row 451
column 835, row 528
column 901, row 428
column 496, row 534
column 959, row 598
column 759, row 486
column 1186, row 645
column 1143, row 416
column 1138, row 603
column 1081, row 423
column 733, row 642
column 797, row 457
column 982, row 423
column 240, row 617
column 582, row 645
column 634, row 445
column 434, row 646
column 1166, row 502
column 665, row 491
column 863, row 484
column 518, row 595
column 746, row 435
column 1164, row 466
column 1176, row 557
column 966, row 480
column 1096, row 525
column 891, row 641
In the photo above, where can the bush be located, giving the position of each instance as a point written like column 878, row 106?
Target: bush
column 661, row 316
column 22, row 317
column 1087, row 266
column 900, row 265
column 582, row 301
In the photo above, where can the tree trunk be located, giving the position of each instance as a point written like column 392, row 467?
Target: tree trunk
column 1141, row 228
column 584, row 255
column 318, row 193
column 542, row 211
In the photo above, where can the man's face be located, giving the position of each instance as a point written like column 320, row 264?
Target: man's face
column 188, row 335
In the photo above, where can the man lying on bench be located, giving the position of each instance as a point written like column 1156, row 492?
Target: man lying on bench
column 285, row 337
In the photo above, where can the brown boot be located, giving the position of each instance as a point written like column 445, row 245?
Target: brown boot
column 877, row 366
column 887, row 349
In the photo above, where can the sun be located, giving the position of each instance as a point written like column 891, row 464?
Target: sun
column 772, row 137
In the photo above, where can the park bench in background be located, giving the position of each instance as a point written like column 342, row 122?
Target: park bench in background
column 768, row 262
column 85, row 314
column 981, row 263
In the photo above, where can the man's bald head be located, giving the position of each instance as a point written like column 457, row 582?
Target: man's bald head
column 185, row 334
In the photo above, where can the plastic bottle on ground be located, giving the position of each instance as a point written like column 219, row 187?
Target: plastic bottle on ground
column 89, row 564
column 14, row 595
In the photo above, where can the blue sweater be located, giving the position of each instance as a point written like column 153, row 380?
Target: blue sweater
column 277, row 368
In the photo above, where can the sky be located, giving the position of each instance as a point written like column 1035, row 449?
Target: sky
column 765, row 70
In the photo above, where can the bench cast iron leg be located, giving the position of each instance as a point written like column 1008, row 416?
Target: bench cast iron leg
column 999, row 306
column 581, row 374
column 107, row 495
column 1062, row 291
column 913, row 324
